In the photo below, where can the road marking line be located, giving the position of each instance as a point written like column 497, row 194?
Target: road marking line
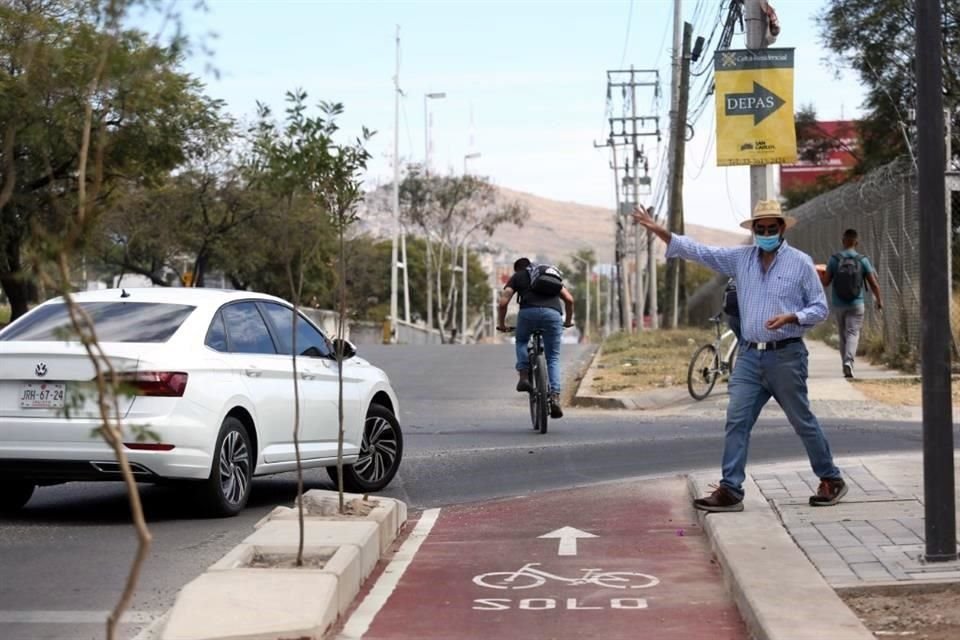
column 74, row 617
column 359, row 623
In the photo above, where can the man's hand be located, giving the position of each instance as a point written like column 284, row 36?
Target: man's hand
column 879, row 305
column 781, row 320
column 643, row 218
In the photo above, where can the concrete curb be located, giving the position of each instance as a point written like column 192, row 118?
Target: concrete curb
column 235, row 601
column 779, row 593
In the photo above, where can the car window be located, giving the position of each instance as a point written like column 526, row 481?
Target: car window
column 217, row 335
column 113, row 321
column 309, row 340
column 246, row 328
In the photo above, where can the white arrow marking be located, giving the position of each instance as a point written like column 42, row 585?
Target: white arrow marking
column 568, row 539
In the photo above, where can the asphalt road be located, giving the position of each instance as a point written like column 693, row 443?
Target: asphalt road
column 64, row 559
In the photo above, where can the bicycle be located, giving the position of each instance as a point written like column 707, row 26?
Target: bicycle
column 527, row 577
column 539, row 382
column 706, row 365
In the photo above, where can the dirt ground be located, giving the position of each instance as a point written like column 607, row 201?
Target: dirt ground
column 899, row 391
column 928, row 612
column 649, row 360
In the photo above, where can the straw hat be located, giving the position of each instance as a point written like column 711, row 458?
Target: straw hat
column 768, row 209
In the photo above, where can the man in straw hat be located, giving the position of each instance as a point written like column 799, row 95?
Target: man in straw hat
column 780, row 297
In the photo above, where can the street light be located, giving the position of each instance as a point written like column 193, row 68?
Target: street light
column 426, row 128
column 469, row 156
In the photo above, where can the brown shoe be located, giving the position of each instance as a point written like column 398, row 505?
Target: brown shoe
column 720, row 500
column 829, row 492
column 523, row 384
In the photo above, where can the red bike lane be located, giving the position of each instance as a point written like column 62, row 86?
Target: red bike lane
column 623, row 560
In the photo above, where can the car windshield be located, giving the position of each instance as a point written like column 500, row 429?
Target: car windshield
column 113, row 321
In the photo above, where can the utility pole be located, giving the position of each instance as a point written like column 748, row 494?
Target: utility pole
column 761, row 176
column 678, row 132
column 938, row 471
column 396, row 196
column 626, row 131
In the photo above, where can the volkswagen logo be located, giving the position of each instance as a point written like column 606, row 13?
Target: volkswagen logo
column 41, row 369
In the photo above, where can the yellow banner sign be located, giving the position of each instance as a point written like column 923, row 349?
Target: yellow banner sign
column 754, row 96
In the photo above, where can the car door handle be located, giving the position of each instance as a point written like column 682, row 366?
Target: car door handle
column 253, row 372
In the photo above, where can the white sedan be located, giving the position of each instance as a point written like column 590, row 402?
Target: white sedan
column 207, row 396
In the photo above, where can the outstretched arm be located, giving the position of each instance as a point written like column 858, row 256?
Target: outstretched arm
column 720, row 259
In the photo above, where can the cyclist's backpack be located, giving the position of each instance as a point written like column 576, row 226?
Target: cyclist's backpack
column 545, row 279
column 730, row 305
column 848, row 280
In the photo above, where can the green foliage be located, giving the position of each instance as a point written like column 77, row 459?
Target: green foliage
column 59, row 58
column 450, row 212
column 876, row 38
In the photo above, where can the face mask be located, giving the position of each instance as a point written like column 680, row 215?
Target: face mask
column 767, row 243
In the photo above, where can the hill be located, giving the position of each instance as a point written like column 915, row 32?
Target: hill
column 554, row 231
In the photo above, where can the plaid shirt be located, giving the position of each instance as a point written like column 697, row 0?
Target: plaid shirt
column 790, row 285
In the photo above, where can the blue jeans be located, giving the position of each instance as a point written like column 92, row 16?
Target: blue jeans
column 550, row 322
column 758, row 376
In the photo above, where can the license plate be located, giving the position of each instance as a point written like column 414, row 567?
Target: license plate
column 42, row 395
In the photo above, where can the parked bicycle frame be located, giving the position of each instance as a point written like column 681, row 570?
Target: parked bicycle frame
column 712, row 360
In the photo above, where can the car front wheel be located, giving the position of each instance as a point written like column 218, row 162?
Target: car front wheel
column 14, row 493
column 380, row 454
column 228, row 487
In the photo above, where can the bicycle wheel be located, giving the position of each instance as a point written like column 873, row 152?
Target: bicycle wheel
column 508, row 580
column 542, row 391
column 625, row 580
column 534, row 412
column 703, row 372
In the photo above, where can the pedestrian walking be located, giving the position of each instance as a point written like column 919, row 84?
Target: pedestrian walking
column 780, row 297
column 846, row 272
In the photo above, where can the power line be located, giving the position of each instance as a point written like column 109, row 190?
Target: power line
column 626, row 39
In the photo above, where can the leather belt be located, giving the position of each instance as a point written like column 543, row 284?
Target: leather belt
column 773, row 346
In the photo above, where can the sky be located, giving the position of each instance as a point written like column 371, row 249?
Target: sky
column 525, row 83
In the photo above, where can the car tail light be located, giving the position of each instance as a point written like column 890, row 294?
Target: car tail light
column 155, row 383
column 149, row 446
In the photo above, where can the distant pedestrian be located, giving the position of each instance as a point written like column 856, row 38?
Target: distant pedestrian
column 847, row 271
column 779, row 298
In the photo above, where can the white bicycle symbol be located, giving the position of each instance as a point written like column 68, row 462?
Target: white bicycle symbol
column 528, row 577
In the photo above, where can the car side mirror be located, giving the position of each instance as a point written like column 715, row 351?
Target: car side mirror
column 348, row 348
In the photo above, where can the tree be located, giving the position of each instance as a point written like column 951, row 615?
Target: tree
column 450, row 211
column 814, row 145
column 876, row 38
column 314, row 184
column 68, row 87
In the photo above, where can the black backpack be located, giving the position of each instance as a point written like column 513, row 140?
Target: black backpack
column 545, row 279
column 848, row 280
column 730, row 305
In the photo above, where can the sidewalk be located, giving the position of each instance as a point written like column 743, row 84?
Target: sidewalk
column 785, row 561
column 831, row 395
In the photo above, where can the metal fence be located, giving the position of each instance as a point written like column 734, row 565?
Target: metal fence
column 882, row 207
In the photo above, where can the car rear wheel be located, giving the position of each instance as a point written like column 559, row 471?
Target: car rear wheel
column 14, row 493
column 228, row 487
column 380, row 454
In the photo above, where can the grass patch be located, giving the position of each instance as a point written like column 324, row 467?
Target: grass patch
column 903, row 392
column 4, row 315
column 648, row 360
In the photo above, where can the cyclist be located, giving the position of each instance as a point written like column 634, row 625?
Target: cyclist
column 537, row 311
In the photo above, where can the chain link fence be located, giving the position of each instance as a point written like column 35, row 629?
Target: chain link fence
column 882, row 207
